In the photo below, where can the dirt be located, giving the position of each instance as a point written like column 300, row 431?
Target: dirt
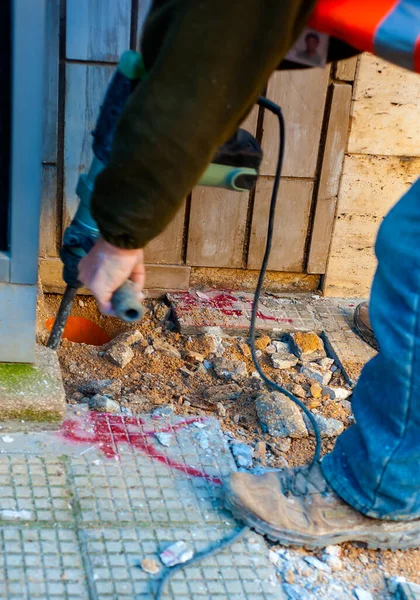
column 157, row 379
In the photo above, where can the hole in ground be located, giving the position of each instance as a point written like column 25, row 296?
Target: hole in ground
column 82, row 331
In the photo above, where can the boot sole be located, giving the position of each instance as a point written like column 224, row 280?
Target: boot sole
column 377, row 541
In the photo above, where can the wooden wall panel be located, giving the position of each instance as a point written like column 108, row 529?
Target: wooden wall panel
column 49, row 147
column 49, row 216
column 217, row 228
column 167, row 247
column 85, row 88
column 291, row 224
column 97, row 29
column 301, row 95
column 330, row 177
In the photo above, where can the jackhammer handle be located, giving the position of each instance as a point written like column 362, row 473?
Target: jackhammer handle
column 126, row 304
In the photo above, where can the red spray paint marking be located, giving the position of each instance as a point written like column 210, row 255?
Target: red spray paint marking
column 106, row 431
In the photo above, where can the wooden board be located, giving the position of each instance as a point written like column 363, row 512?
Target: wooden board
column 369, row 187
column 49, row 217
column 330, row 177
column 385, row 113
column 97, row 29
column 167, row 247
column 301, row 95
column 291, row 224
column 85, row 88
column 158, row 277
column 345, row 70
column 144, row 7
column 217, row 227
column 50, row 125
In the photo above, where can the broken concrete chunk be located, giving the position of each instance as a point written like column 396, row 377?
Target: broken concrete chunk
column 166, row 349
column 316, row 373
column 194, row 357
column 308, row 346
column 106, row 387
column 150, row 566
column 361, row 594
column 326, row 363
column 327, row 427
column 103, row 404
column 161, row 311
column 128, row 338
column 296, row 592
column 316, row 390
column 177, row 553
column 284, row 360
column 221, row 410
column 262, row 342
column 280, row 416
column 164, row 438
column 298, row 390
column 119, row 354
column 337, row 393
column 219, row 393
column 229, row 369
column 242, row 454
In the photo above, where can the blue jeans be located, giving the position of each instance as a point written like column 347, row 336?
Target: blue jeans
column 375, row 465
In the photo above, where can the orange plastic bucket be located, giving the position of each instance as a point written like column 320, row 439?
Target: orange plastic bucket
column 82, row 331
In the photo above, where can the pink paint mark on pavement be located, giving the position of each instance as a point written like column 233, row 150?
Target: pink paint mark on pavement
column 107, row 431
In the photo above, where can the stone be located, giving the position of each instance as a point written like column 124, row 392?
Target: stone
column 327, row 427
column 221, row 410
column 280, row 446
column 262, row 342
column 162, row 411
column 363, row 559
column 281, row 347
column 236, row 419
column 166, row 349
column 346, row 404
column 186, row 371
column 280, row 416
column 308, row 346
column 106, row 387
column 119, row 354
column 242, row 454
column 362, row 594
column 127, row 338
column 289, row 575
column 336, row 393
column 406, row 590
column 315, row 373
column 260, row 452
column 226, row 368
column 296, row 592
column 284, row 360
column 220, row 393
column 318, row 564
column 333, row 550
column 393, row 583
column 126, row 411
column 316, row 390
column 162, row 312
column 298, row 390
column 194, row 357
column 326, row 363
column 149, row 350
column 334, row 563
column 245, row 349
column 150, row 566
column 103, row 404
column 164, row 438
column 33, row 393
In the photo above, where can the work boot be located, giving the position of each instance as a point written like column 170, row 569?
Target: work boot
column 298, row 507
column 362, row 323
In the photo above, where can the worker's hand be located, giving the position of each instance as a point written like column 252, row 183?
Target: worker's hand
column 106, row 268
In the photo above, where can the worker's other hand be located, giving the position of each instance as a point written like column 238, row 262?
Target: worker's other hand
column 107, row 267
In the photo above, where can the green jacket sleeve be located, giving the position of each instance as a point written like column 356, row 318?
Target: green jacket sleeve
column 207, row 60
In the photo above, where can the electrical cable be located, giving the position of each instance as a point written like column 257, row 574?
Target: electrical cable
column 238, row 534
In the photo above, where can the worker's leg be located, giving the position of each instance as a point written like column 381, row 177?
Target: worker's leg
column 374, row 468
column 375, row 463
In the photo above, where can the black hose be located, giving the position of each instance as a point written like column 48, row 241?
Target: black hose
column 228, row 541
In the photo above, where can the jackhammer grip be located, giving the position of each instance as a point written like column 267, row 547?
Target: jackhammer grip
column 126, row 304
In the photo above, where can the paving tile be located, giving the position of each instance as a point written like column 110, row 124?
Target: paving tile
column 230, row 312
